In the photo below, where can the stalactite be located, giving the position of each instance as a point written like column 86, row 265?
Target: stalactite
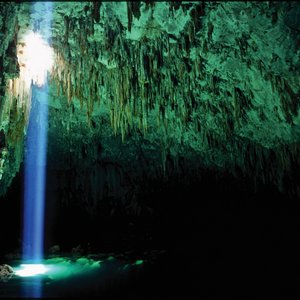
column 129, row 15
column 159, row 77
column 69, row 87
column 66, row 26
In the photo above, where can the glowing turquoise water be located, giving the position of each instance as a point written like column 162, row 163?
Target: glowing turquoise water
column 69, row 276
column 58, row 268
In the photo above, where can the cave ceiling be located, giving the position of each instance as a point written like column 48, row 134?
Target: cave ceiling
column 161, row 86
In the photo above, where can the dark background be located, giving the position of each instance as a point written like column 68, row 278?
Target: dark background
column 220, row 236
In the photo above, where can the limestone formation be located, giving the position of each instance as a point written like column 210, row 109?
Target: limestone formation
column 151, row 88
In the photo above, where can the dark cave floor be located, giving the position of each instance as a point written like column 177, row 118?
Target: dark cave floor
column 207, row 260
column 178, row 274
column 205, row 242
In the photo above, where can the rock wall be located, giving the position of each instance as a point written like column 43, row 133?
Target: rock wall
column 12, row 116
column 217, row 79
column 151, row 84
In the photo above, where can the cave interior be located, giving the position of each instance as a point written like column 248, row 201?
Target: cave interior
column 172, row 136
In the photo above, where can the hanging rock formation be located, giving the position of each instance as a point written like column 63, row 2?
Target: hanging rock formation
column 156, row 88
column 12, row 116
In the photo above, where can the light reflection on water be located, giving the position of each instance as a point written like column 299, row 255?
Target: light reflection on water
column 63, row 276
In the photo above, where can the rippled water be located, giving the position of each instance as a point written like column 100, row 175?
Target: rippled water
column 64, row 276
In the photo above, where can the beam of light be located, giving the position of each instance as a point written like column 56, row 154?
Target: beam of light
column 75, row 273
column 58, row 268
column 37, row 61
column 35, row 176
column 27, row 270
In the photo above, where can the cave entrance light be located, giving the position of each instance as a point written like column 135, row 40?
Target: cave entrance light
column 35, row 58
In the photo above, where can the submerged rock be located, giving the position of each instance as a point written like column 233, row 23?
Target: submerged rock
column 54, row 250
column 6, row 272
column 77, row 251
